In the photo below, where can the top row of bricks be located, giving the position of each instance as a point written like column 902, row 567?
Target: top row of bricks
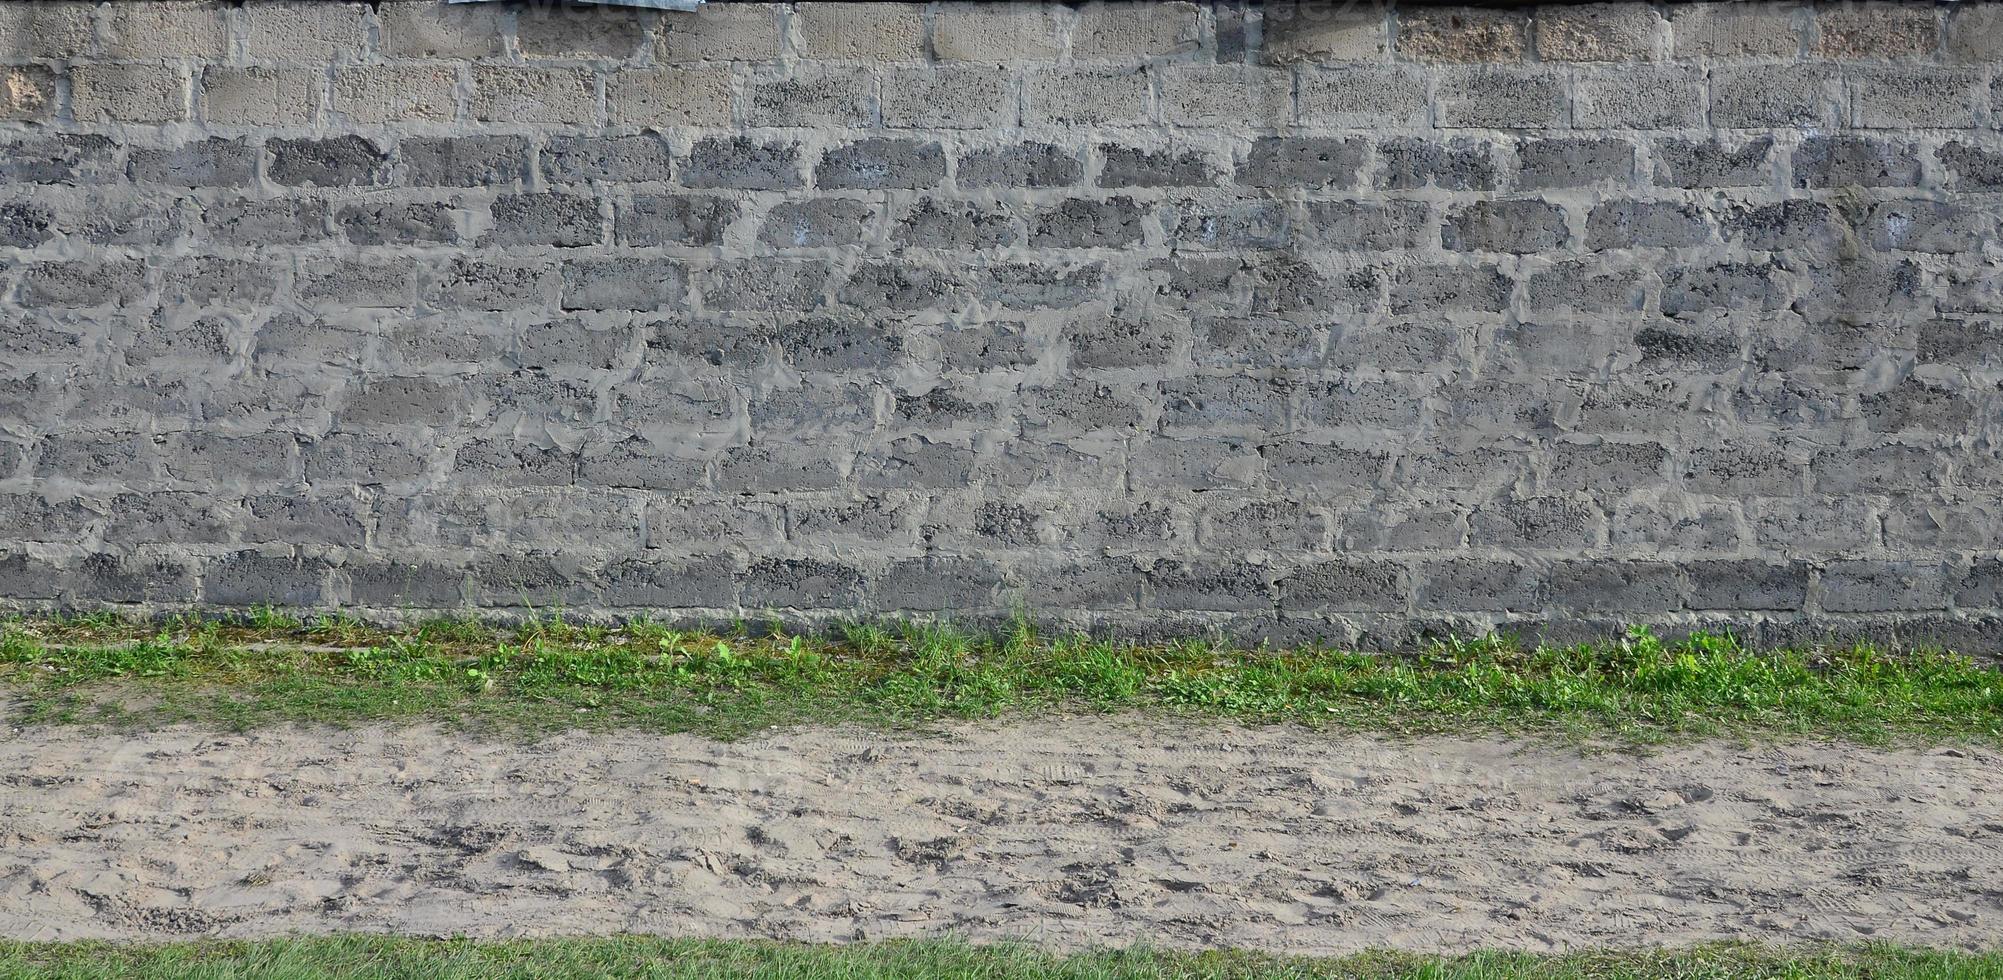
column 278, row 31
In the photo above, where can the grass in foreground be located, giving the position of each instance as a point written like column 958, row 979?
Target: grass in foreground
column 361, row 956
column 551, row 675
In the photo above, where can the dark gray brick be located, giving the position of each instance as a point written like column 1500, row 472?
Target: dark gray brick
column 1022, row 165
column 464, row 161
column 1302, row 162
column 562, row 220
column 877, row 164
column 740, row 163
column 337, row 161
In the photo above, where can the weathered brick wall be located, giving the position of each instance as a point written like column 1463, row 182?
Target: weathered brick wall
column 1301, row 321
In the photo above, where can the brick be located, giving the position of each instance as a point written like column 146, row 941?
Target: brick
column 304, row 31
column 801, row 583
column 623, row 284
column 120, row 93
column 741, row 163
column 865, row 32
column 419, row 223
column 1505, row 226
column 146, row 30
column 1628, row 587
column 669, row 97
column 1645, row 224
column 1460, row 165
column 1762, row 96
column 1132, row 166
column 466, row 161
column 1086, row 97
column 250, row 579
column 1787, row 224
column 56, row 31
column 1467, row 584
column 1501, row 98
column 720, row 32
column 397, row 93
column 533, row 95
column 248, row 223
column 1312, row 162
column 1925, row 226
column 1879, row 469
column 339, row 161
column 843, row 98
column 561, row 220
column 1549, row 163
column 1365, row 226
column 1638, row 97
column 27, row 93
column 1877, row 30
column 1970, row 166
column 1019, row 165
column 61, row 159
column 425, row 29
column 673, row 219
column 1461, row 34
column 489, row 285
column 260, row 96
column 1901, row 98
column 996, row 35
column 1723, row 285
column 583, row 32
column 1080, row 223
column 1363, row 96
column 617, row 159
column 1600, row 32
column 1974, row 33
column 1347, row 585
column 1128, row 30
column 878, row 164
column 1738, row 30
column 1881, row 586
column 745, row 285
column 1578, row 287
column 82, row 283
column 1227, row 95
column 1428, row 288
column 1245, row 224
column 1838, row 161
column 1310, row 31
column 1713, row 163
column 934, row 223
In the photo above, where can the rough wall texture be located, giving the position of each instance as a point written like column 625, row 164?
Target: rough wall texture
column 1298, row 321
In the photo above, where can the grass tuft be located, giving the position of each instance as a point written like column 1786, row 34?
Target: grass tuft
column 549, row 674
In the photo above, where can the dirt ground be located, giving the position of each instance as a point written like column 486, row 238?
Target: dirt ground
column 1067, row 833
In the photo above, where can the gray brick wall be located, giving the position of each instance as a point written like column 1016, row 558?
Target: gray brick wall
column 1292, row 320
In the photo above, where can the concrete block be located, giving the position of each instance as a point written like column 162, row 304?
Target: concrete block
column 1087, row 97
column 304, row 31
column 831, row 96
column 56, row 31
column 428, row 29
column 1318, row 32
column 983, row 32
column 720, row 32
column 1738, row 31
column 669, row 97
column 510, row 94
column 860, row 32
column 104, row 93
column 1461, row 34
column 1352, row 96
column 147, row 30
column 1888, row 30
column 950, row 97
column 260, row 96
column 1600, row 32
column 1125, row 31
column 374, row 94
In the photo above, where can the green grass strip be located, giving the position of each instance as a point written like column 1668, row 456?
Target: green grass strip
column 550, row 675
column 375, row 956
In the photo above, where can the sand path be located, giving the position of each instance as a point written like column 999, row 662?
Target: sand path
column 1069, row 833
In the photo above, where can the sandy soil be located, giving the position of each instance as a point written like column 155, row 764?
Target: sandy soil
column 1067, row 833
